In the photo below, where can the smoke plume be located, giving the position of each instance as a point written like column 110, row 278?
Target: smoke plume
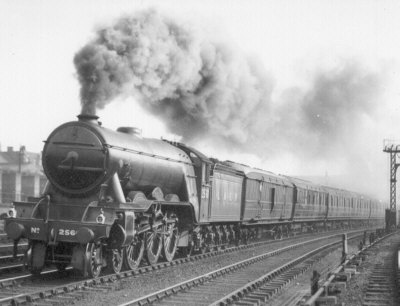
column 205, row 90
column 196, row 86
column 329, row 115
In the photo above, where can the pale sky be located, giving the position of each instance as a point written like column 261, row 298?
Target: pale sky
column 38, row 40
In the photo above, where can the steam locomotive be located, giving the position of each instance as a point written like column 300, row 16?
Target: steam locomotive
column 114, row 197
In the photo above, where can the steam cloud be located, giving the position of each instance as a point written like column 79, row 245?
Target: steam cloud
column 204, row 89
column 197, row 86
column 327, row 116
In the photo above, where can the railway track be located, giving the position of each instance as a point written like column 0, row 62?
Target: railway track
column 248, row 282
column 10, row 265
column 382, row 289
column 9, row 262
column 3, row 237
column 8, row 248
column 26, row 289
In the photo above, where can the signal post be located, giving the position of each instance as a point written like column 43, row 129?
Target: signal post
column 393, row 148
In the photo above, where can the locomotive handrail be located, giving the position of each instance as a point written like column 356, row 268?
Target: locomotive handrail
column 46, row 220
column 81, row 168
column 72, row 143
column 147, row 154
column 91, row 204
column 36, row 207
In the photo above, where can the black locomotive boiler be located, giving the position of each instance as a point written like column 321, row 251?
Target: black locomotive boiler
column 114, row 197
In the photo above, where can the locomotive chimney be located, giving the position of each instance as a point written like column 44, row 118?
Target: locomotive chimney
column 88, row 118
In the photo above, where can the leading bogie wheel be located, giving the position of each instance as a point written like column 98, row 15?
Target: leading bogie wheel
column 153, row 246
column 170, row 241
column 93, row 260
column 115, row 258
column 133, row 253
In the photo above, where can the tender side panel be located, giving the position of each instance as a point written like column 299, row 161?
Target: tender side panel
column 226, row 197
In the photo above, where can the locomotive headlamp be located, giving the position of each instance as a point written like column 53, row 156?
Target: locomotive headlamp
column 100, row 219
column 12, row 213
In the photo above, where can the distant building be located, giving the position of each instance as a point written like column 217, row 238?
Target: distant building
column 21, row 175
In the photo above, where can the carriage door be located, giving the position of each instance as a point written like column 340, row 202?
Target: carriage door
column 284, row 189
column 259, row 199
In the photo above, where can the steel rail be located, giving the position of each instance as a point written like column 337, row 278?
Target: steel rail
column 11, row 246
column 152, row 297
column 13, row 266
column 10, row 257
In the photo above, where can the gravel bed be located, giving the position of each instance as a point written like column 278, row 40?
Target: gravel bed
column 128, row 289
column 356, row 287
column 302, row 285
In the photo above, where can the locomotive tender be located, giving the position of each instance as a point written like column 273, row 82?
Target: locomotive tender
column 114, row 197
